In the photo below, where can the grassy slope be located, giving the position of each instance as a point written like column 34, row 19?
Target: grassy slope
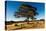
column 34, row 24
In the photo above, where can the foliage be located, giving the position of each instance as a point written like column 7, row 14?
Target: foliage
column 26, row 11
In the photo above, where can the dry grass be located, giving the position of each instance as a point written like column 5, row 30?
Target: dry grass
column 34, row 24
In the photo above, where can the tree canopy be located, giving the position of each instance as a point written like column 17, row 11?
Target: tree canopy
column 26, row 11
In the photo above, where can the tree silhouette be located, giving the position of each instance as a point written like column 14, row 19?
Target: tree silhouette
column 26, row 11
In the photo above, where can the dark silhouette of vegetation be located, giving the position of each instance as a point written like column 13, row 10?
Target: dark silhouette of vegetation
column 26, row 11
column 42, row 20
column 9, row 22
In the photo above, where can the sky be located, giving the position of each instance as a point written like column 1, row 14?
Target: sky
column 12, row 6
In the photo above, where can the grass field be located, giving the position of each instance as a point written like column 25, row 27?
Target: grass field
column 24, row 25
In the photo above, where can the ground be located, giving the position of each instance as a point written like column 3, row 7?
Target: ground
column 24, row 25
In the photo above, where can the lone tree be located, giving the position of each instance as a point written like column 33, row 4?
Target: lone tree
column 26, row 11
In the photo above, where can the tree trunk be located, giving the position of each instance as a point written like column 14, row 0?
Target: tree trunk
column 32, row 18
column 27, row 20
